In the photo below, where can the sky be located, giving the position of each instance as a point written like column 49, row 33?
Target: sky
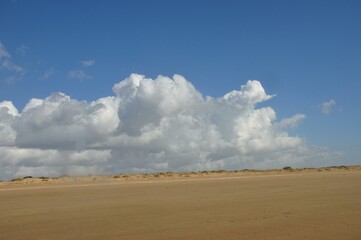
column 93, row 87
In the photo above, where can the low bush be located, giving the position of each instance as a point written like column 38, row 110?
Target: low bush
column 16, row 179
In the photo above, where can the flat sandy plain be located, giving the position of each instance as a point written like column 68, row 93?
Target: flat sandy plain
column 277, row 204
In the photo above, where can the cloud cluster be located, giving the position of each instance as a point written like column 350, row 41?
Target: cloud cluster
column 163, row 124
column 81, row 74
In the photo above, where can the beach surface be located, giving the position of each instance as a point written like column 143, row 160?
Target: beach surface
column 276, row 204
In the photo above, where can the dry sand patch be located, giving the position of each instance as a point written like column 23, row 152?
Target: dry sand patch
column 307, row 205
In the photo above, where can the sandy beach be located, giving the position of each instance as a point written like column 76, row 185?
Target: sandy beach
column 249, row 204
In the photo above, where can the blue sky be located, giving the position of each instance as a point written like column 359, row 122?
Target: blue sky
column 308, row 53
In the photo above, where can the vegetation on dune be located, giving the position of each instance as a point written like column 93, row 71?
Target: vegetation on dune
column 170, row 174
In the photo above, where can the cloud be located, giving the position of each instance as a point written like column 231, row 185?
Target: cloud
column 291, row 122
column 16, row 72
column 47, row 74
column 21, row 51
column 326, row 107
column 5, row 61
column 78, row 74
column 88, row 63
column 8, row 65
column 3, row 53
column 163, row 124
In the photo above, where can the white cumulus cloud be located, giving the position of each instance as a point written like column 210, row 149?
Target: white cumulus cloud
column 161, row 124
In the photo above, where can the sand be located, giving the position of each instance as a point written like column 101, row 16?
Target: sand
column 297, row 204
